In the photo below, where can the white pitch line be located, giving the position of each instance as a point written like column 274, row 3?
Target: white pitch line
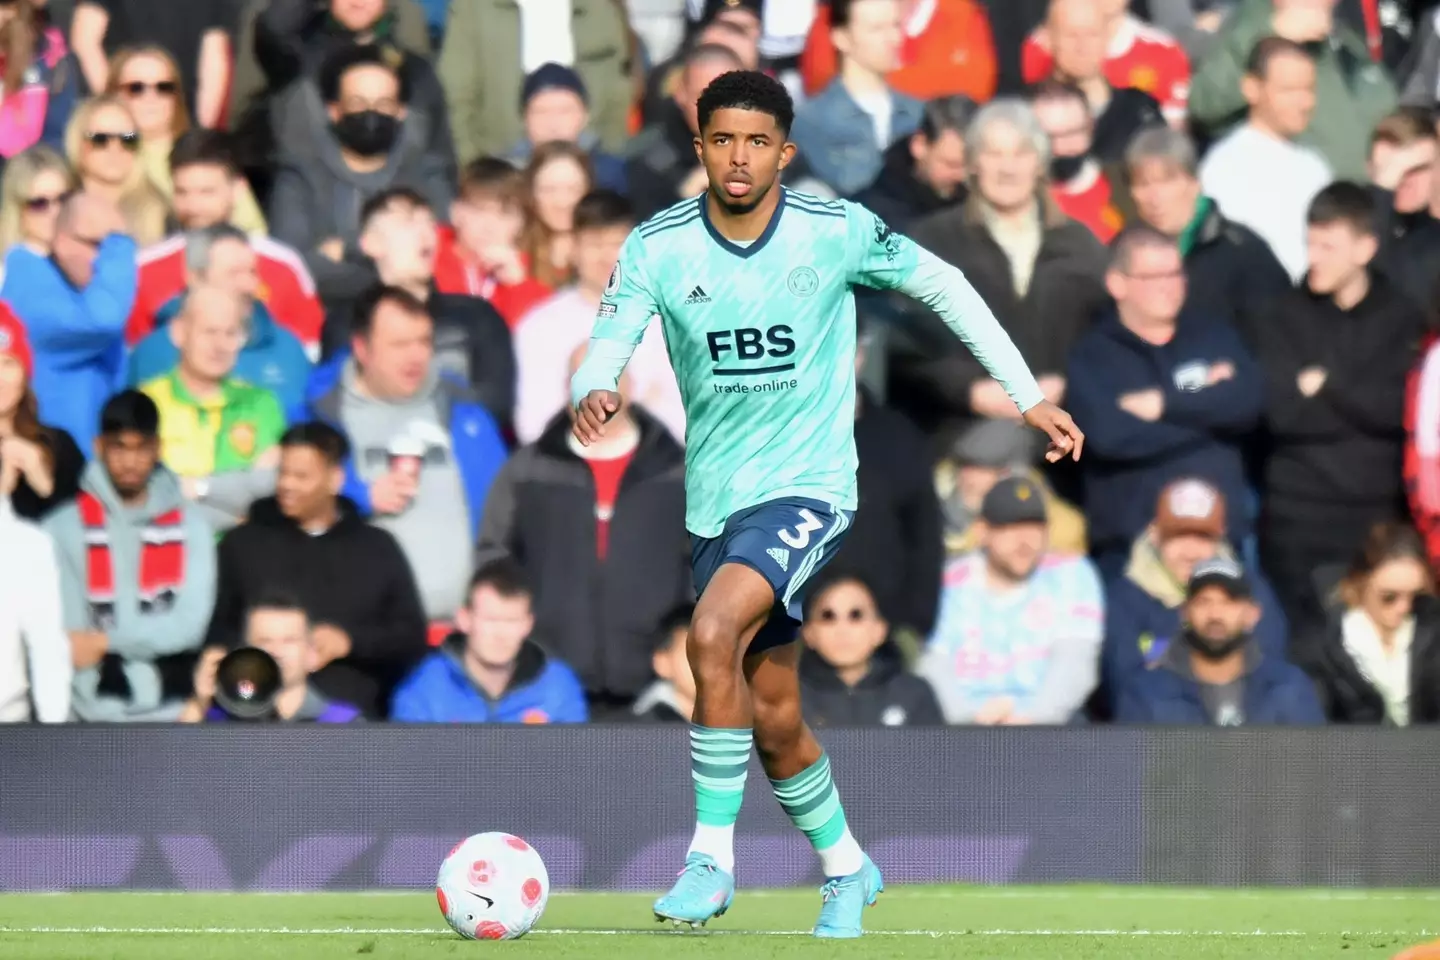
column 933, row 934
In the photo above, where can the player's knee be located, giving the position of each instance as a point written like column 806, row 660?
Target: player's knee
column 779, row 726
column 714, row 642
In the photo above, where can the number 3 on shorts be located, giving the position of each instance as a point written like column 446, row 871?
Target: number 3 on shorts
column 800, row 539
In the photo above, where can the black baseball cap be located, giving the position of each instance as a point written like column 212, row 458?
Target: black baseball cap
column 1013, row 500
column 1228, row 575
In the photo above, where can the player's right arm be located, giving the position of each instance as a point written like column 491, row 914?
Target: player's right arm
column 625, row 310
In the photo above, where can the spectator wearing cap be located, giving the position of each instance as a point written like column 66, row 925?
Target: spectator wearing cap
column 1018, row 637
column 947, row 50
column 554, row 105
column 896, row 546
column 1230, row 272
column 74, row 304
column 1376, row 657
column 367, row 143
column 979, row 458
column 491, row 47
column 1336, row 353
column 850, row 674
column 846, row 128
column 40, row 465
column 924, row 172
column 1219, row 676
column 137, row 573
column 1163, row 394
column 1143, row 605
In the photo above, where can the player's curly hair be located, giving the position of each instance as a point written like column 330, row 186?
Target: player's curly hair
column 746, row 90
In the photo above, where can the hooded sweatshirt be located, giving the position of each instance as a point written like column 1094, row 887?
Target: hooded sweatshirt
column 542, row 690
column 35, row 666
column 887, row 695
column 148, row 648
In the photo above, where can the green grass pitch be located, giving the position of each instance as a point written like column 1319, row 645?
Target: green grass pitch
column 924, row 923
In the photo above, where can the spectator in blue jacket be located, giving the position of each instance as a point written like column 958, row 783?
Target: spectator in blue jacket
column 1143, row 605
column 273, row 357
column 1219, row 676
column 1162, row 394
column 74, row 304
column 491, row 670
column 424, row 451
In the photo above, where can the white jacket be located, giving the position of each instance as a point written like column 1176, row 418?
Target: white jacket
column 35, row 664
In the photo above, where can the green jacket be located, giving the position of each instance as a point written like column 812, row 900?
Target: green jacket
column 481, row 72
column 1352, row 92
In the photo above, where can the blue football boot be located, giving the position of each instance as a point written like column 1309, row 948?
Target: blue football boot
column 702, row 893
column 845, row 899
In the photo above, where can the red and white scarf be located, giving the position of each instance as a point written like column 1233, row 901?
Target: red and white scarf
column 162, row 561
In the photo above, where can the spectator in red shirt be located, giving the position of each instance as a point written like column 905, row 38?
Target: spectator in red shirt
column 1080, row 186
column 1137, row 55
column 947, row 49
column 479, row 256
column 207, row 185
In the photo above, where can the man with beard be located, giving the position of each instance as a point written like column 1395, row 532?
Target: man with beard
column 1218, row 676
column 926, row 171
column 1017, row 639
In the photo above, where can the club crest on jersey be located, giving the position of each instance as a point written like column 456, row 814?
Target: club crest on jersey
column 802, row 282
column 612, row 286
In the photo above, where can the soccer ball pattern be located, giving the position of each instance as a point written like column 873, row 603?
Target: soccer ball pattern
column 492, row 886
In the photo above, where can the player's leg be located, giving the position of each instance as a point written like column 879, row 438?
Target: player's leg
column 799, row 773
column 734, row 603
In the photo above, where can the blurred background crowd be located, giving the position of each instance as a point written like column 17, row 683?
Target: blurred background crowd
column 292, row 290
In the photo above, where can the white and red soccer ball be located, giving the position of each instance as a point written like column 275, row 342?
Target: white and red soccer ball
column 492, row 886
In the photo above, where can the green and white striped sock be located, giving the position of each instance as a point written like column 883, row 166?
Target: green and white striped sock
column 813, row 804
column 719, row 759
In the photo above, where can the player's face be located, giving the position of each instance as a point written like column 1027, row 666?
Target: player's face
column 844, row 626
column 1165, row 195
column 743, row 152
column 1338, row 253
column 1179, row 554
column 1015, row 548
column 285, row 635
column 496, row 626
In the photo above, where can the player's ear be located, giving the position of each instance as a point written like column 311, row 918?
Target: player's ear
column 699, row 149
column 787, row 153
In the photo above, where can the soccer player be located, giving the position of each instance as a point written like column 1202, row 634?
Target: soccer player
column 753, row 284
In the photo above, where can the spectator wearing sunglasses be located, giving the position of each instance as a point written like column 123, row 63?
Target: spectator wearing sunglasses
column 39, row 79
column 74, row 303
column 1376, row 659
column 36, row 182
column 1018, row 637
column 851, row 675
column 102, row 144
column 147, row 79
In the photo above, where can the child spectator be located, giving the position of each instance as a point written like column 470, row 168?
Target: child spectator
column 102, row 143
column 492, row 670
column 671, row 698
column 558, row 176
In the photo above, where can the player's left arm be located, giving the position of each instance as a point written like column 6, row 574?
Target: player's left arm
column 880, row 257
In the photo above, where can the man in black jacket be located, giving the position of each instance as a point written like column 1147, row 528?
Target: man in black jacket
column 600, row 533
column 351, row 577
column 472, row 340
column 924, row 172
column 1229, row 270
column 1336, row 353
column 849, row 675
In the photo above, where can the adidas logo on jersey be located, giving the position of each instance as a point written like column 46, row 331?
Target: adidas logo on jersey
column 781, row 556
column 697, row 296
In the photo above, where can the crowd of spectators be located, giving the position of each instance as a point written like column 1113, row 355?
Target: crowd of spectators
column 292, row 291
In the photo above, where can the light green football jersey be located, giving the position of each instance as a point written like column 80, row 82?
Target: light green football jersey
column 762, row 339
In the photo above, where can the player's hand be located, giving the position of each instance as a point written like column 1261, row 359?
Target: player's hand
column 1066, row 439
column 593, row 413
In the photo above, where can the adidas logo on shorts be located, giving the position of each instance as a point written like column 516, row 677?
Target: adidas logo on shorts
column 781, row 556
column 697, row 296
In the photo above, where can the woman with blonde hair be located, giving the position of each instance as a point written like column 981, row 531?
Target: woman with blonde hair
column 36, row 182
column 102, row 142
column 557, row 176
column 148, row 80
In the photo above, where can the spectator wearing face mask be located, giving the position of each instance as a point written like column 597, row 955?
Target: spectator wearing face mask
column 321, row 188
column 1079, row 185
column 1218, row 676
column 1376, row 656
column 1018, row 637
column 925, row 172
column 556, row 106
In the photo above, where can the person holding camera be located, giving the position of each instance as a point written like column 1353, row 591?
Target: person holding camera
column 269, row 677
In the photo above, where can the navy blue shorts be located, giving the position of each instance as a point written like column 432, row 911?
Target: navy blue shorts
column 786, row 541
